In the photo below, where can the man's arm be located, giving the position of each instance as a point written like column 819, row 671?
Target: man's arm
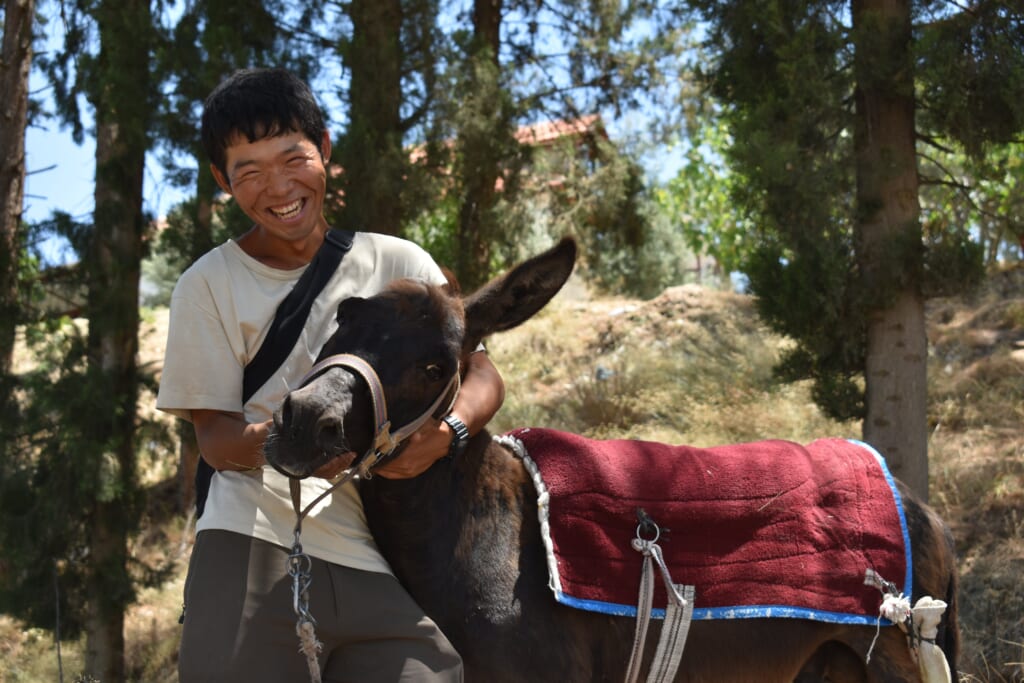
column 481, row 395
column 228, row 442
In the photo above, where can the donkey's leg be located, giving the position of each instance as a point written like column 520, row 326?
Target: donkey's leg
column 833, row 662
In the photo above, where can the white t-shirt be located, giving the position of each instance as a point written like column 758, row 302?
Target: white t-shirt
column 221, row 310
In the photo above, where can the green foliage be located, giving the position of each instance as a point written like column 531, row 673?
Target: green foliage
column 523, row 63
column 970, row 67
column 953, row 261
column 51, row 472
column 699, row 200
column 585, row 187
column 436, row 230
column 783, row 90
column 174, row 249
column 979, row 200
column 54, row 469
column 595, row 192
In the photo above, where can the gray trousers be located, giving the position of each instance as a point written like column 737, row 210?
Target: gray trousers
column 240, row 623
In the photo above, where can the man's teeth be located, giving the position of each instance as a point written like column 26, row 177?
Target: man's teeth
column 288, row 211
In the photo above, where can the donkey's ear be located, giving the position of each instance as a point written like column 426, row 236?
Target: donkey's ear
column 514, row 297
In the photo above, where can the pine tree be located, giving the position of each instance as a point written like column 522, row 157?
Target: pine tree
column 121, row 96
column 390, row 49
column 520, row 64
column 71, row 497
column 485, row 143
column 826, row 103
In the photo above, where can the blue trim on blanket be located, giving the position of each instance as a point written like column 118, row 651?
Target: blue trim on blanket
column 741, row 612
column 777, row 611
column 908, row 581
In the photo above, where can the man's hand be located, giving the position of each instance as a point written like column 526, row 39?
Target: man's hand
column 228, row 442
column 333, row 468
column 427, row 445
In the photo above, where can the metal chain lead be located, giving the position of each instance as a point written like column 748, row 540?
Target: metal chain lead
column 299, row 566
column 300, row 569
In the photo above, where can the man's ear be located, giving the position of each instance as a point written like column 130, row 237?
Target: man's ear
column 222, row 182
column 325, row 146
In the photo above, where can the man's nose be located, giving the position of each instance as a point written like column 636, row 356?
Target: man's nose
column 279, row 182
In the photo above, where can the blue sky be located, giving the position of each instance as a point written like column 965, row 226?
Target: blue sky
column 68, row 185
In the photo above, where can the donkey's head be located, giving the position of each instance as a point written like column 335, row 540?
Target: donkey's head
column 400, row 351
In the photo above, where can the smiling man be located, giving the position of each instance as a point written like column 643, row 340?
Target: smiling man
column 268, row 146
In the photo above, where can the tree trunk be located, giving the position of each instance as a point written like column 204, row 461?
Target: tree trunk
column 889, row 241
column 123, row 112
column 202, row 220
column 201, row 242
column 371, row 155
column 188, row 463
column 480, row 144
column 15, row 60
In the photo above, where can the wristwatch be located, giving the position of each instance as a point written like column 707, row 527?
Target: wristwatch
column 460, row 436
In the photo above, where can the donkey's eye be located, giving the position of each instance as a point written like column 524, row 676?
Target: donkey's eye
column 433, row 372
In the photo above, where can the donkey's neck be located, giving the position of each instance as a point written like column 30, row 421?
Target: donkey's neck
column 447, row 533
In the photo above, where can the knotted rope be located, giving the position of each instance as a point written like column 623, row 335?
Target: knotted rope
column 919, row 623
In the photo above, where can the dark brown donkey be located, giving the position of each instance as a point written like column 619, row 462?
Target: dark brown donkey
column 463, row 537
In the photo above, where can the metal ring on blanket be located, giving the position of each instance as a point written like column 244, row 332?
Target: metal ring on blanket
column 657, row 531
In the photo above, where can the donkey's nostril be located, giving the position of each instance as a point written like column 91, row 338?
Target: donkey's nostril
column 328, row 433
column 286, row 411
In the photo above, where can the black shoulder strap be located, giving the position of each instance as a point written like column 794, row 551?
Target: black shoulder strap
column 291, row 314
column 289, row 319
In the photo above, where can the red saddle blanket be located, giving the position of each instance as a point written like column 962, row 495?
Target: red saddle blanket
column 771, row 528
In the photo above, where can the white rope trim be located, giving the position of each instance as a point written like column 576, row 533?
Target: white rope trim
column 543, row 506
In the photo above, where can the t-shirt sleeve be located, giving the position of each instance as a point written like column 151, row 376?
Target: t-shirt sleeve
column 411, row 260
column 432, row 273
column 202, row 366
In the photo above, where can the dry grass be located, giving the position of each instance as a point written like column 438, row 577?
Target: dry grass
column 977, row 463
column 694, row 366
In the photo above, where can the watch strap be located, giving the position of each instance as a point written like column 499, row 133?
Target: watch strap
column 460, row 435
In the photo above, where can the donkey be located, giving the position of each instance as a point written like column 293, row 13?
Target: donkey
column 464, row 537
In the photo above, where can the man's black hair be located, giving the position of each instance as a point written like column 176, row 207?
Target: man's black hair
column 258, row 103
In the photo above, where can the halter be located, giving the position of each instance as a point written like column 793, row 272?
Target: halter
column 385, row 441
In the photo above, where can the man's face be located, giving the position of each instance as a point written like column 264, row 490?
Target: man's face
column 279, row 182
